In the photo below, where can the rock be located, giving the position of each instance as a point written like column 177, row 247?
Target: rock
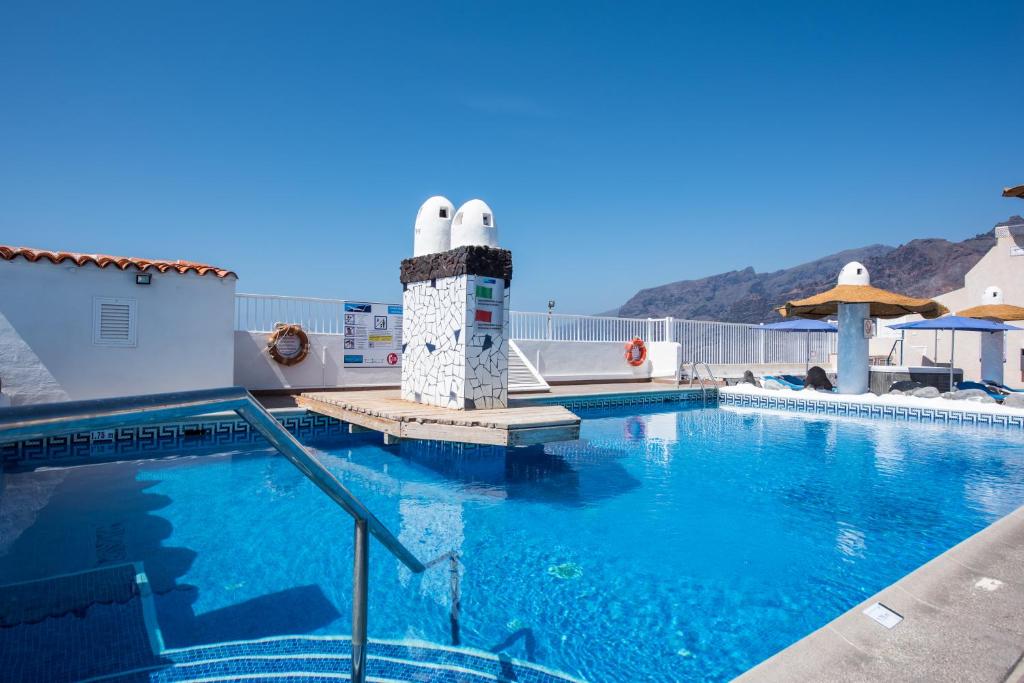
column 817, row 379
column 925, row 392
column 906, row 386
column 748, row 378
column 474, row 260
column 946, row 395
column 896, row 392
column 773, row 385
column 1014, row 400
column 974, row 395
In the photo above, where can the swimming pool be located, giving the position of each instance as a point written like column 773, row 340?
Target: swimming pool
column 682, row 543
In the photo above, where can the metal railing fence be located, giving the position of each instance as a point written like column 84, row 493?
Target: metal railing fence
column 703, row 341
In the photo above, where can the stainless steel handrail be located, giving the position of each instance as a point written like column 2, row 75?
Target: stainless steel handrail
column 695, row 374
column 51, row 419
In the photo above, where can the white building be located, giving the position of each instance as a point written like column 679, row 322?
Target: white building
column 1002, row 267
column 79, row 326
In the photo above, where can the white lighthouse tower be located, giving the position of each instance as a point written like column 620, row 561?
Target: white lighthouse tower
column 455, row 309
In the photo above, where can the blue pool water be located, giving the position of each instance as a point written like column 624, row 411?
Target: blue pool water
column 666, row 545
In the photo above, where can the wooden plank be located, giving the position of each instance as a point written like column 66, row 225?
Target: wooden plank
column 397, row 418
column 542, row 435
column 456, row 433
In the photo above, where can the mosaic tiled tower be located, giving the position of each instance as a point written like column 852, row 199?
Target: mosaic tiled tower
column 455, row 328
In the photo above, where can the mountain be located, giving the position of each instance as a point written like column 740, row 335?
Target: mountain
column 921, row 267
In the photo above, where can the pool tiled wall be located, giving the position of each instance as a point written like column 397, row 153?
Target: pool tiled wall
column 142, row 440
column 873, row 410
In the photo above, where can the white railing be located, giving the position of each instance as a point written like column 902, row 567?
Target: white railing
column 717, row 343
column 261, row 312
column 562, row 327
column 702, row 340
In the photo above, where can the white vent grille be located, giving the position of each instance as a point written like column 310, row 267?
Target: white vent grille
column 113, row 322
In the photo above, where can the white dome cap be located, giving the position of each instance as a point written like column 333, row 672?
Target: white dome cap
column 474, row 225
column 993, row 295
column 854, row 273
column 433, row 232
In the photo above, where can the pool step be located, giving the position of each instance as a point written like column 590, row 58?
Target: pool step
column 323, row 658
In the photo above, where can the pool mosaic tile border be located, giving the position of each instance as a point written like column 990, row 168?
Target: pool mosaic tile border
column 224, row 430
column 633, row 398
column 142, row 440
column 853, row 409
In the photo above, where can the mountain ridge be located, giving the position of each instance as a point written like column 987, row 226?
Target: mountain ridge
column 921, row 267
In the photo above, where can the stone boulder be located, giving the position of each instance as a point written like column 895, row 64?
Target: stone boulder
column 974, row 395
column 905, row 386
column 925, row 392
column 817, row 379
column 1014, row 400
column 748, row 378
column 773, row 385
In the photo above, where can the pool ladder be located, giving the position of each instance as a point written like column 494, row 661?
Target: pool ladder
column 694, row 374
column 54, row 419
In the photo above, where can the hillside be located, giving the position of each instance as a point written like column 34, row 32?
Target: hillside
column 921, row 267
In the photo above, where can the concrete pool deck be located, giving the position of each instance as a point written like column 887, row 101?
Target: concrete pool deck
column 963, row 620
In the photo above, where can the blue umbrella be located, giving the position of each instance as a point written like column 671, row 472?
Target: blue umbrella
column 954, row 323
column 802, row 325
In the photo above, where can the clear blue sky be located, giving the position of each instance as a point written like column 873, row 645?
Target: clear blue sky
column 621, row 145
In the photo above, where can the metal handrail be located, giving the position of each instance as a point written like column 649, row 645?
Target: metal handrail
column 695, row 374
column 42, row 421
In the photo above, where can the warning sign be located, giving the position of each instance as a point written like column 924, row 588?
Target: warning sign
column 373, row 335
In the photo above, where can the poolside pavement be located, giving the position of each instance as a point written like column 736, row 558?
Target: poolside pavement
column 962, row 620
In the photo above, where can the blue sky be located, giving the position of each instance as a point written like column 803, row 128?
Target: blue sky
column 621, row 145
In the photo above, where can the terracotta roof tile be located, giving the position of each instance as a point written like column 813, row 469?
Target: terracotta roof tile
column 104, row 260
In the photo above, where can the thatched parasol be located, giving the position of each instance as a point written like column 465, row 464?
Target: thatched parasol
column 884, row 304
column 1017, row 191
column 993, row 308
column 997, row 312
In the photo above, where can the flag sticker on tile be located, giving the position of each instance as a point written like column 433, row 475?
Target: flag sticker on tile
column 484, row 292
column 483, row 316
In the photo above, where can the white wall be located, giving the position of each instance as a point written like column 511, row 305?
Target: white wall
column 569, row 361
column 322, row 368
column 1003, row 267
column 184, row 329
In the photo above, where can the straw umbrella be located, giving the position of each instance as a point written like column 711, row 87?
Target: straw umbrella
column 853, row 300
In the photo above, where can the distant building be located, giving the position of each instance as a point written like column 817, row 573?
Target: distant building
column 1002, row 267
column 79, row 326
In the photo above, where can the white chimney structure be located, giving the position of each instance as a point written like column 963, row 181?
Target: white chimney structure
column 455, row 309
column 474, row 225
column 993, row 344
column 433, row 231
column 852, row 364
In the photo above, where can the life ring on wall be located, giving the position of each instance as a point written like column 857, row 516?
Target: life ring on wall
column 288, row 344
column 636, row 352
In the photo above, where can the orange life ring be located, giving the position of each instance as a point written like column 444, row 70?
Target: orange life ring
column 288, row 344
column 636, row 352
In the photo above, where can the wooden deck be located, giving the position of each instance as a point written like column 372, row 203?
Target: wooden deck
column 385, row 412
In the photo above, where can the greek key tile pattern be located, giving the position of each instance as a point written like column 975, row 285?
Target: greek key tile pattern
column 141, row 440
column 914, row 413
column 633, row 398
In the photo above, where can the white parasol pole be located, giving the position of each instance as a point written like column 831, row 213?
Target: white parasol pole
column 807, row 354
column 952, row 355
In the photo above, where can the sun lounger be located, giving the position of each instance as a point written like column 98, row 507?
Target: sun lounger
column 997, row 385
column 991, row 391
